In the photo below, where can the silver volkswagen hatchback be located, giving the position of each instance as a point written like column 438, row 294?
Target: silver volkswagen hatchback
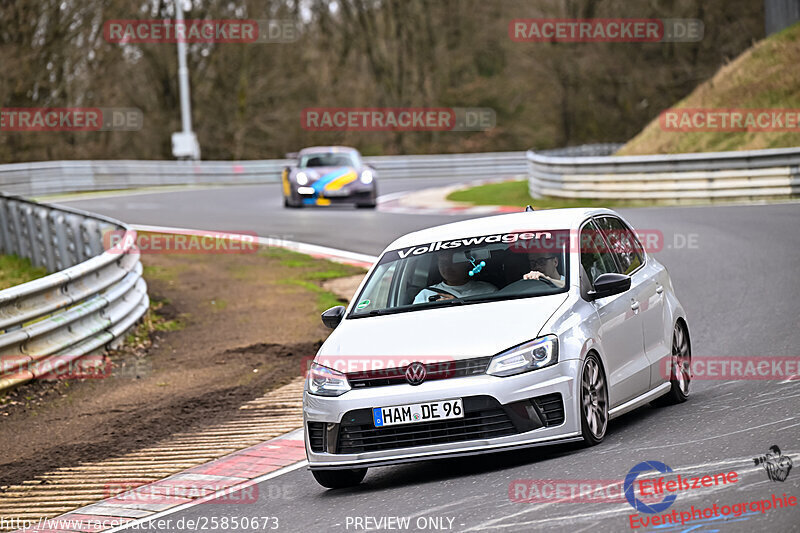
column 491, row 334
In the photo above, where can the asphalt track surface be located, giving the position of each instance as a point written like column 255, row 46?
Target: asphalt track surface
column 736, row 270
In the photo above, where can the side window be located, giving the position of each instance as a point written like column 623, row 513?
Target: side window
column 595, row 256
column 623, row 243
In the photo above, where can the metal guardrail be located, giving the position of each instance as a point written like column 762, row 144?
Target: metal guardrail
column 92, row 298
column 466, row 166
column 590, row 172
column 37, row 179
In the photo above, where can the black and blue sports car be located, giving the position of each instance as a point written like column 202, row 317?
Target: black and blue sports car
column 326, row 175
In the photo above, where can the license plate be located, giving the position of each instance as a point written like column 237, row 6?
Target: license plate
column 417, row 412
column 336, row 193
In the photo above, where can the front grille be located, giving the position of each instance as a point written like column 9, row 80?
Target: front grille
column 439, row 370
column 552, row 408
column 316, row 436
column 484, row 418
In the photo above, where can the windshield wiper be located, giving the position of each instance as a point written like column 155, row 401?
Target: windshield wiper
column 443, row 303
column 413, row 307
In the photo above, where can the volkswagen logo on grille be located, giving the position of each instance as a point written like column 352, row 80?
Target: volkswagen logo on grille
column 416, row 373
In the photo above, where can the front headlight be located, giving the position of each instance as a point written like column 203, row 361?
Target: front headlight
column 366, row 177
column 324, row 381
column 301, row 178
column 532, row 355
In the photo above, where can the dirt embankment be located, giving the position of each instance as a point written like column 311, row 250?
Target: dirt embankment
column 227, row 329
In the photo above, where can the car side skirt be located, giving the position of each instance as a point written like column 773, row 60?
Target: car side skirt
column 630, row 405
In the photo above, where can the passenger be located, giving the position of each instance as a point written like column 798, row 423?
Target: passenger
column 544, row 266
column 456, row 281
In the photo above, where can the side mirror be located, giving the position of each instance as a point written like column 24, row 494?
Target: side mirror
column 334, row 315
column 609, row 285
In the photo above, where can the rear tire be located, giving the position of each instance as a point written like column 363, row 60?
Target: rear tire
column 339, row 479
column 680, row 368
column 366, row 206
column 593, row 401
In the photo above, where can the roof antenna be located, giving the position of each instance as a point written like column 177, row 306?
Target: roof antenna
column 528, row 208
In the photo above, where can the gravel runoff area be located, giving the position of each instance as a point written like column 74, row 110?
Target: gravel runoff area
column 222, row 331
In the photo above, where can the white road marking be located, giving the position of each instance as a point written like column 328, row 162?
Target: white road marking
column 723, row 435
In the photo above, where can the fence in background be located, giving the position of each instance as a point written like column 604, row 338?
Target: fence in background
column 89, row 301
column 37, row 179
column 590, row 172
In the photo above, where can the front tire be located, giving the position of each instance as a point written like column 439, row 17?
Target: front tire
column 680, row 368
column 339, row 479
column 288, row 203
column 368, row 201
column 594, row 401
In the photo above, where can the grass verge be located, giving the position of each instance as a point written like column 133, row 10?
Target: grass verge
column 763, row 77
column 15, row 270
column 515, row 194
column 309, row 272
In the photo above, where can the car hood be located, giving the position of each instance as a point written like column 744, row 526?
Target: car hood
column 458, row 332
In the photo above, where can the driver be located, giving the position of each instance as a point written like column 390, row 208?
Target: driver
column 456, row 281
column 544, row 266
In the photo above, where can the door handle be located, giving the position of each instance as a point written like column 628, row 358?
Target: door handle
column 635, row 305
column 660, row 289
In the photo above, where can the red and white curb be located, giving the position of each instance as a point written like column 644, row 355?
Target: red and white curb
column 433, row 201
column 230, row 479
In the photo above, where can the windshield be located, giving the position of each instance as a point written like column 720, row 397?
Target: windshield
column 467, row 270
column 328, row 160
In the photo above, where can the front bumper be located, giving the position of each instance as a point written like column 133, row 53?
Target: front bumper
column 348, row 194
column 486, row 394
